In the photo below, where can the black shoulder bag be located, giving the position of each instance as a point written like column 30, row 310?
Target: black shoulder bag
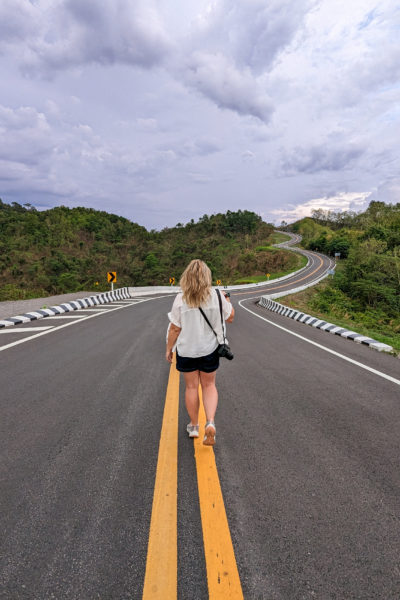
column 223, row 349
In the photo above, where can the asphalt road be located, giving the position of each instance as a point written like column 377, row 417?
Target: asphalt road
column 318, row 265
column 307, row 456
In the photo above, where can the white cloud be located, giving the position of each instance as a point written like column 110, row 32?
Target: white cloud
column 388, row 190
column 322, row 157
column 231, row 47
column 338, row 202
column 201, row 146
column 200, row 178
column 147, row 124
column 71, row 33
column 17, row 21
column 138, row 105
column 251, row 32
column 219, row 80
column 25, row 135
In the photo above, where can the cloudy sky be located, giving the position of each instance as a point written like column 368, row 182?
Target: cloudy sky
column 163, row 110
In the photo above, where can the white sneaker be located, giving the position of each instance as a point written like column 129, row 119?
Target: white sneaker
column 193, row 430
column 210, row 434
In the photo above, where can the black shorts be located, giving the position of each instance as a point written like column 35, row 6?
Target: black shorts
column 207, row 364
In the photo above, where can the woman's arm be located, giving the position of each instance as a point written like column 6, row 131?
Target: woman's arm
column 232, row 315
column 173, row 334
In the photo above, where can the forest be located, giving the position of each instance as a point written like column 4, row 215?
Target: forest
column 366, row 284
column 63, row 250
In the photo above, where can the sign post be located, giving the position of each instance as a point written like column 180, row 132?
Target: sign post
column 112, row 278
column 267, row 275
column 219, row 282
column 172, row 280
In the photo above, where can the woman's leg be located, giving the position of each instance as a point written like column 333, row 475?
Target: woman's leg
column 192, row 396
column 210, row 394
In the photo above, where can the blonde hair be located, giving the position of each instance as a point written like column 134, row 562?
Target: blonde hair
column 196, row 283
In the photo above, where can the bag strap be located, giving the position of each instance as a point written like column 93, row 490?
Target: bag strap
column 208, row 322
column 220, row 312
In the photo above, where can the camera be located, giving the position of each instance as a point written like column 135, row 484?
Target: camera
column 227, row 295
column 225, row 352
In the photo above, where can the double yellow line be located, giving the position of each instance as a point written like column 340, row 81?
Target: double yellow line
column 162, row 561
column 161, row 567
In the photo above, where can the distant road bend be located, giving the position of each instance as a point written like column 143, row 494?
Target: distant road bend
column 299, row 500
column 318, row 266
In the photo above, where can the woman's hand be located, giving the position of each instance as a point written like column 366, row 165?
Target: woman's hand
column 173, row 333
column 231, row 316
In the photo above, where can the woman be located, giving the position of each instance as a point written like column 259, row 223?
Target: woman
column 196, row 354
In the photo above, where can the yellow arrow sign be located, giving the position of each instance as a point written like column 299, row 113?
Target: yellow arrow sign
column 172, row 280
column 219, row 282
column 268, row 275
column 112, row 276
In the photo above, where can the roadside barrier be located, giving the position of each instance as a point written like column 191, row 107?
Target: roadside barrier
column 150, row 290
column 285, row 311
column 104, row 298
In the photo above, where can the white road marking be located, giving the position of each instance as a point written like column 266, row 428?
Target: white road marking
column 350, row 360
column 90, row 309
column 25, row 329
column 73, row 316
column 31, row 337
column 116, row 304
column 97, row 312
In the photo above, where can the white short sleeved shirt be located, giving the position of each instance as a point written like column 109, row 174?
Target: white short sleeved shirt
column 196, row 338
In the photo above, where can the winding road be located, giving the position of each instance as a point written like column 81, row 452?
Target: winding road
column 317, row 267
column 299, row 500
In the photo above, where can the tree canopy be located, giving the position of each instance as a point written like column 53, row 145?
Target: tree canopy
column 370, row 243
column 69, row 249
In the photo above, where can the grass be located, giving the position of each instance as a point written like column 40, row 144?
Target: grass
column 267, row 249
column 302, row 261
column 278, row 238
column 369, row 323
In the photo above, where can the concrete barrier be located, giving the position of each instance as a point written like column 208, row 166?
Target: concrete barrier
column 286, row 311
column 95, row 300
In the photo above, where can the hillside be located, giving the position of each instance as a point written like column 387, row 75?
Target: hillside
column 365, row 290
column 65, row 250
